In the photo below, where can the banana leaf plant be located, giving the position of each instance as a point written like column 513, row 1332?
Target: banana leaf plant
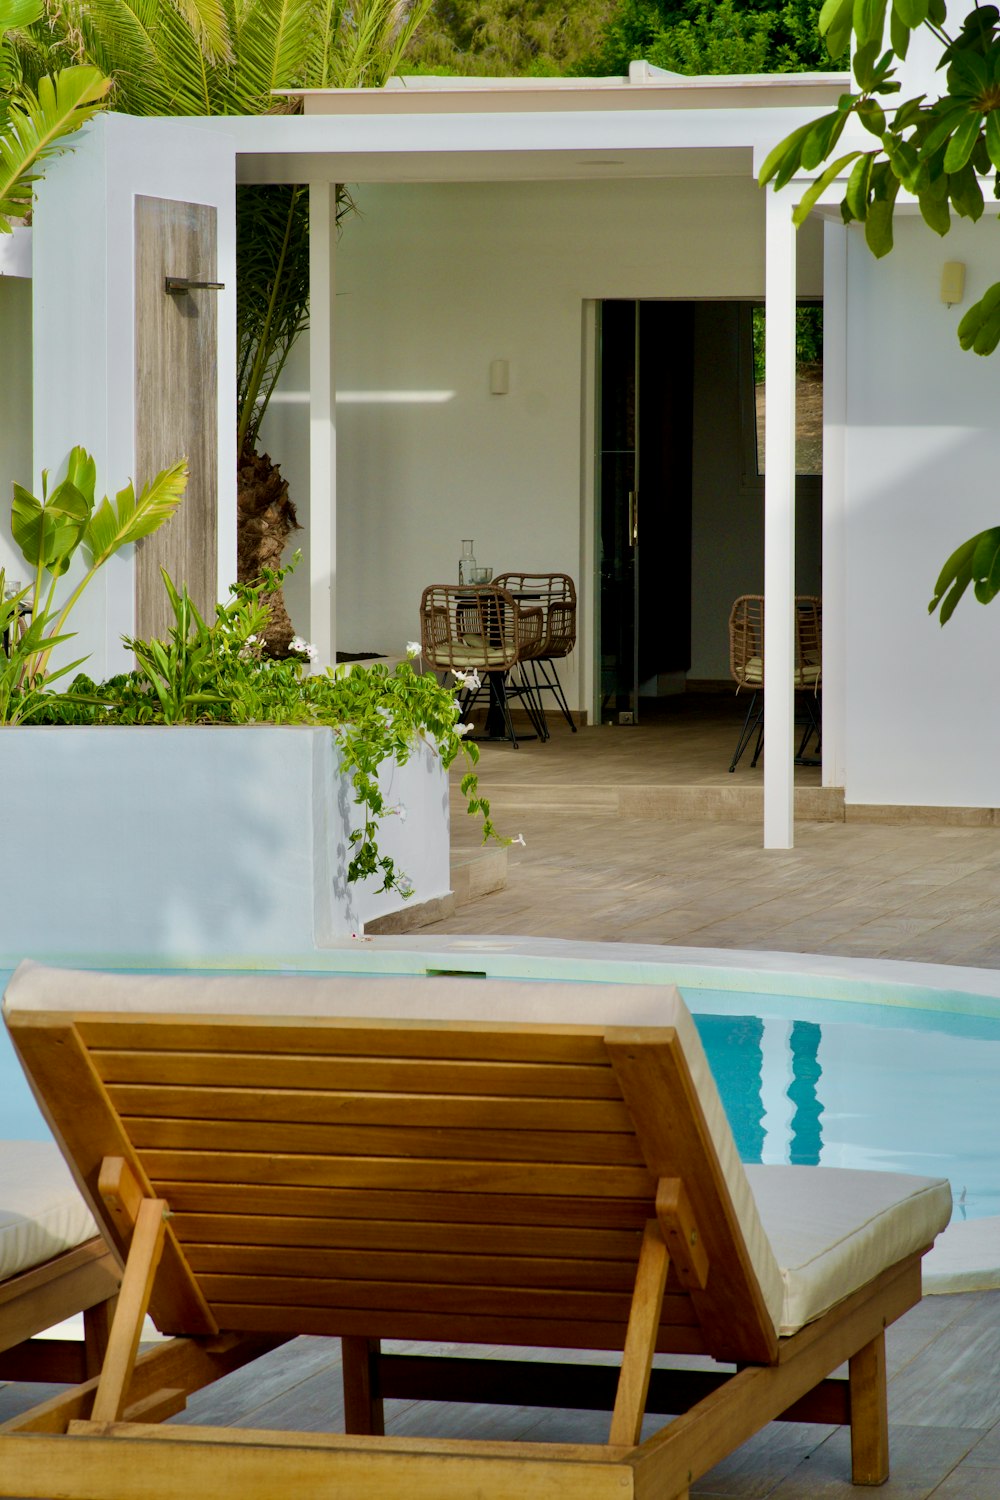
column 50, row 532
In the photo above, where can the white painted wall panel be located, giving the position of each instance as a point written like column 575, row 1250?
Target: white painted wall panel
column 921, row 453
column 15, row 408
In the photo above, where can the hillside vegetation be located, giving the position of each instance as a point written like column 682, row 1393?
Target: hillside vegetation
column 601, row 37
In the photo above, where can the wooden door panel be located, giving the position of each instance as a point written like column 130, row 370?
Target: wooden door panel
column 176, row 354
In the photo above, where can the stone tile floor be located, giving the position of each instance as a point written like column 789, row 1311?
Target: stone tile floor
column 923, row 891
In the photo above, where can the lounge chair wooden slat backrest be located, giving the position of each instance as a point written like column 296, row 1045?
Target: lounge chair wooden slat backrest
column 482, row 1125
column 359, row 1157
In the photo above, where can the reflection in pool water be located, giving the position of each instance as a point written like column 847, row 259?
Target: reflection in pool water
column 918, row 1093
column 735, row 1051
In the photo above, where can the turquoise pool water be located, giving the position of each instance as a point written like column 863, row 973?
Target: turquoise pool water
column 813, row 1082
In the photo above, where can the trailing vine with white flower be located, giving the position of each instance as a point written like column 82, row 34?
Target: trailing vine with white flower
column 217, row 674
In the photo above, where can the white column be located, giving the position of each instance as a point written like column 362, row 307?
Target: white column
column 779, row 525
column 588, row 612
column 835, row 245
column 322, row 423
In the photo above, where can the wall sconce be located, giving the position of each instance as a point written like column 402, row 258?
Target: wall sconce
column 952, row 281
column 499, row 377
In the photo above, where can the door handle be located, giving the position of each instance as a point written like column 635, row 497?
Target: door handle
column 633, row 517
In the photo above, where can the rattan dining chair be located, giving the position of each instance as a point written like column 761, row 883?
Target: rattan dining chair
column 746, row 664
column 556, row 595
column 486, row 631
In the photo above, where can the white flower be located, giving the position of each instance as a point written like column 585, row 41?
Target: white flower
column 303, row 648
column 518, row 839
column 463, row 729
column 251, row 640
column 468, row 680
column 399, row 811
column 412, row 649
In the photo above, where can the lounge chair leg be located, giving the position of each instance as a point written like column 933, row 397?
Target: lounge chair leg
column 133, row 1300
column 869, row 1414
column 97, row 1322
column 364, row 1414
column 640, row 1338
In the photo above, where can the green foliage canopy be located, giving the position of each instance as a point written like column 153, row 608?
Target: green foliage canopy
column 713, row 36
column 939, row 149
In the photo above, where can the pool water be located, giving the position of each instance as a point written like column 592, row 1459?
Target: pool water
column 844, row 1094
column 811, row 1082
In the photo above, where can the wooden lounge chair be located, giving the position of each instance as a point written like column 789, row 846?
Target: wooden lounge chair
column 443, row 1159
column 53, row 1265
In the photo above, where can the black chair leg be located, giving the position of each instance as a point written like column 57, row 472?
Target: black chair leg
column 812, row 727
column 550, row 680
column 754, row 720
column 505, row 708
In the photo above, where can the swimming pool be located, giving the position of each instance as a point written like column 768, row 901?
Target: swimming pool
column 811, row 1081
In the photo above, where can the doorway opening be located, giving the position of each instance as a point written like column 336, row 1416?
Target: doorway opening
column 679, row 496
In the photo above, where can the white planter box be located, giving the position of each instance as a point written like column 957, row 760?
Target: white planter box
column 198, row 843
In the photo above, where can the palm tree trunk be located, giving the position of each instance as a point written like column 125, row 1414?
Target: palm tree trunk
column 265, row 519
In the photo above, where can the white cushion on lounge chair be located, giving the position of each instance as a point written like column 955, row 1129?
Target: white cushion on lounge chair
column 833, row 1228
column 41, row 1211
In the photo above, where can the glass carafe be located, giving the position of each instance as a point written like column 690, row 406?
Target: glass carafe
column 466, row 563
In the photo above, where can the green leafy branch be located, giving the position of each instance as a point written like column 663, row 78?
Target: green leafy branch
column 937, row 150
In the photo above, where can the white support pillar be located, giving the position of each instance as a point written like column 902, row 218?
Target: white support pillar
column 779, row 526
column 322, row 423
column 835, row 249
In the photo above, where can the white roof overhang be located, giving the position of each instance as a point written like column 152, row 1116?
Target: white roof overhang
column 523, row 130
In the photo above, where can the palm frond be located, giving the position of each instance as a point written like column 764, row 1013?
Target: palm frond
column 209, row 25
column 155, row 51
column 36, row 128
column 272, row 47
column 372, row 37
column 272, row 299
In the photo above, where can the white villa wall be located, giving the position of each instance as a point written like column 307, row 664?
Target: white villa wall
column 84, row 326
column 15, row 407
column 434, row 282
column 921, row 455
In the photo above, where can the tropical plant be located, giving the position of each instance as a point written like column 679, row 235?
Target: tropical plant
column 36, row 115
column 217, row 673
column 938, row 149
column 50, row 532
